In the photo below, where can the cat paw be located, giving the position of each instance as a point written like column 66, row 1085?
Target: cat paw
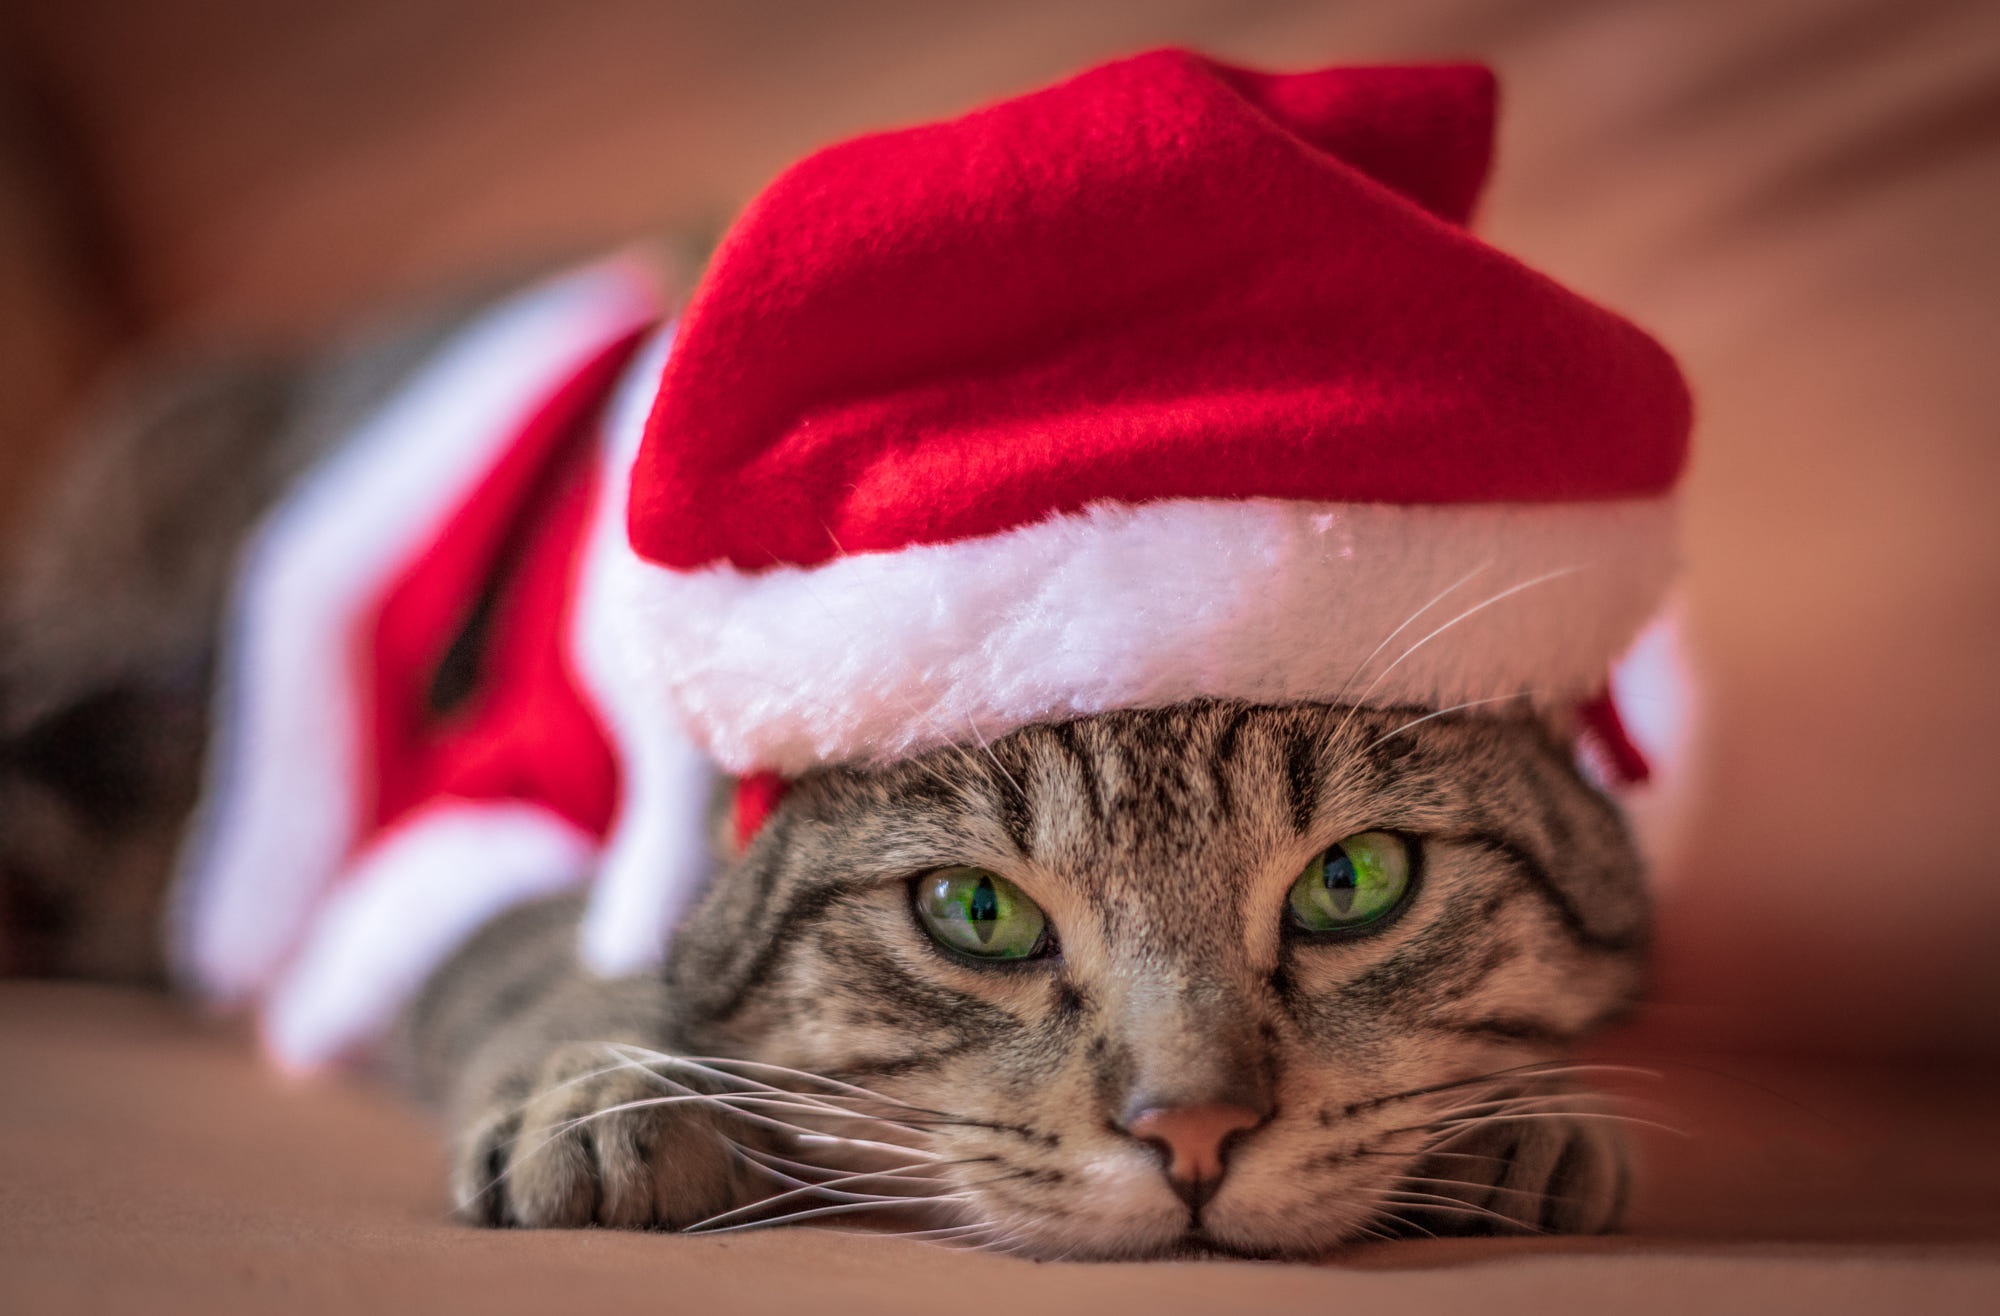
column 1543, row 1175
column 595, row 1145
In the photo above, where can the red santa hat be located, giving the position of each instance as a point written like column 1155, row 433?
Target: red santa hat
column 1174, row 380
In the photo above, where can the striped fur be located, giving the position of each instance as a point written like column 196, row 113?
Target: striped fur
column 1412, row 1071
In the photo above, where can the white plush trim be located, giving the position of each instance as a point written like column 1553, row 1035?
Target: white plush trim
column 286, row 762
column 877, row 656
column 657, row 858
column 404, row 906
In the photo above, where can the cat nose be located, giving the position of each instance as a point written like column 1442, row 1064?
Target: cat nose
column 1193, row 1139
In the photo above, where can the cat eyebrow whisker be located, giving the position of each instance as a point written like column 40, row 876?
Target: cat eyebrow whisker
column 1359, row 700
column 1478, row 607
column 1408, row 622
column 1451, row 708
column 1019, row 790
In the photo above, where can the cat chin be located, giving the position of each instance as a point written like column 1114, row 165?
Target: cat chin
column 1306, row 1234
column 1105, row 1238
column 1148, row 1224
column 1111, row 1238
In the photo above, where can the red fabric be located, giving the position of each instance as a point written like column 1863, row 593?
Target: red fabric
column 757, row 797
column 523, row 730
column 1163, row 278
column 1623, row 758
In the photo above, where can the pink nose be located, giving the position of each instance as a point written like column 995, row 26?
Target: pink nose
column 1192, row 1137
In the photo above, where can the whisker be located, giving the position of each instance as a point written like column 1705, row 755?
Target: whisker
column 1435, row 1202
column 1019, row 789
column 1534, row 1069
column 1467, row 1125
column 789, row 1187
column 1454, row 708
column 725, row 1063
column 1355, row 705
column 777, row 1164
column 1426, row 1153
column 1478, row 607
column 845, row 1091
column 820, row 1192
column 947, row 1235
column 1512, row 1101
column 715, row 1224
column 814, row 1213
column 1408, row 621
column 749, row 1116
column 773, row 1098
column 1533, row 1194
column 1382, row 1212
column 899, row 1174
column 1554, row 1103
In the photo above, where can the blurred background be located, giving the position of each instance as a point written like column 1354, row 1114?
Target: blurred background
column 1800, row 198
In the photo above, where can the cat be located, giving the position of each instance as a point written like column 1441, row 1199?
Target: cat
column 1200, row 951
column 1176, row 1063
column 1402, row 1076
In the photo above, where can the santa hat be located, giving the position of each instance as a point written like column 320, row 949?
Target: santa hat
column 1172, row 381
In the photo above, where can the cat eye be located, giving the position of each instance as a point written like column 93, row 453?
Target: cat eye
column 979, row 913
column 1352, row 884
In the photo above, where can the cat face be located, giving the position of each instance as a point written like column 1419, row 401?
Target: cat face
column 1180, row 1056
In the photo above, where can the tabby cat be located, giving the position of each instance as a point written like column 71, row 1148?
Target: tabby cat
column 1207, row 978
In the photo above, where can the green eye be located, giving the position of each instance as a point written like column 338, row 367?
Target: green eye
column 1350, row 885
column 980, row 913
